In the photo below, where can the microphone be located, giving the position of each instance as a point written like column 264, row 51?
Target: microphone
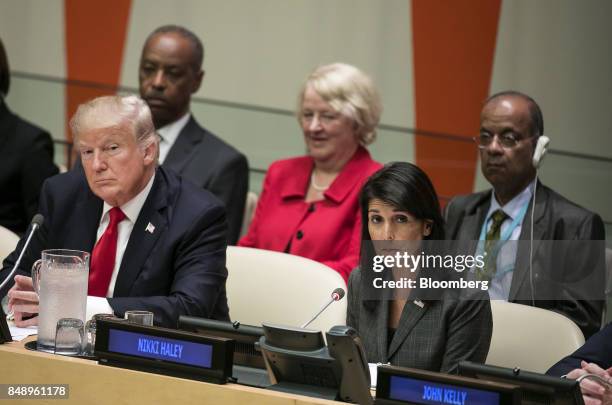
column 36, row 223
column 336, row 295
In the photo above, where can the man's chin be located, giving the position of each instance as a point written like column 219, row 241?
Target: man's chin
column 106, row 193
column 161, row 117
column 495, row 176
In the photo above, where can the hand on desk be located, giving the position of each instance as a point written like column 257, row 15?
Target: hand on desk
column 23, row 302
column 593, row 392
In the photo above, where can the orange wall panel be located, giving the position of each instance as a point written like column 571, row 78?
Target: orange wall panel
column 95, row 38
column 454, row 46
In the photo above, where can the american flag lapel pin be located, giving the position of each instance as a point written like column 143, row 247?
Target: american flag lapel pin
column 150, row 228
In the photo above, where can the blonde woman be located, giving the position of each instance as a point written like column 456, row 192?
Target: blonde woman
column 309, row 205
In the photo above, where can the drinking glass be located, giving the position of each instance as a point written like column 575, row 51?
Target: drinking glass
column 140, row 317
column 69, row 337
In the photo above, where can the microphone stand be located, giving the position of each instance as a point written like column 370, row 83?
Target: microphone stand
column 318, row 313
column 35, row 226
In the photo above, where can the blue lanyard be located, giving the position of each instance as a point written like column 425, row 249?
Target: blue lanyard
column 506, row 235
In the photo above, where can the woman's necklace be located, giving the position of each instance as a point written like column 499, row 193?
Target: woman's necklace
column 315, row 185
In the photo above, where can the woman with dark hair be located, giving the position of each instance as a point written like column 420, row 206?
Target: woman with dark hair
column 431, row 329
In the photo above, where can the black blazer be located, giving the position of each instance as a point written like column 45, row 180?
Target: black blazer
column 435, row 336
column 26, row 160
column 598, row 350
column 210, row 163
column 554, row 265
column 178, row 269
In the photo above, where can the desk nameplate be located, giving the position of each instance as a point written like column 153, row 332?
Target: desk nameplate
column 164, row 351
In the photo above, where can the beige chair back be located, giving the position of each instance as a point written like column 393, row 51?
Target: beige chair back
column 8, row 242
column 273, row 287
column 530, row 338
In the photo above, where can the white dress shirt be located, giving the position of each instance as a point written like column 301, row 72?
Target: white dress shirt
column 168, row 134
column 131, row 209
column 499, row 288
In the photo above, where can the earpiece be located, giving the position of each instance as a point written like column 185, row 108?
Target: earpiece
column 538, row 154
column 540, row 150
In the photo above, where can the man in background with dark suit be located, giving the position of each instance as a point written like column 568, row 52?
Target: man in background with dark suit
column 157, row 242
column 567, row 271
column 26, row 160
column 170, row 72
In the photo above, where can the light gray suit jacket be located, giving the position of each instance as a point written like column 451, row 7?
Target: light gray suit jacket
column 434, row 337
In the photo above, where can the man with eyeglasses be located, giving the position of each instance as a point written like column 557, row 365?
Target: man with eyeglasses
column 566, row 277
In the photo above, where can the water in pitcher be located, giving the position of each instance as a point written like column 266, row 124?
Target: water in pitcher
column 62, row 295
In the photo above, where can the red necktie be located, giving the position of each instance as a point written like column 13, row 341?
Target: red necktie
column 103, row 256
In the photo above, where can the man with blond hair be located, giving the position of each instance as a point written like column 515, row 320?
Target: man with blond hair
column 157, row 242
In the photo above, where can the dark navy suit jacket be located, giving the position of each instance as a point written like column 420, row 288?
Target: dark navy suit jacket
column 26, row 160
column 598, row 350
column 178, row 269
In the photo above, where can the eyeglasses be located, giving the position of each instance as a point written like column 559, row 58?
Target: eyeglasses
column 507, row 140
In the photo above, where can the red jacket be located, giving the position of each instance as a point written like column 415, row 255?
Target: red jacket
column 328, row 231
